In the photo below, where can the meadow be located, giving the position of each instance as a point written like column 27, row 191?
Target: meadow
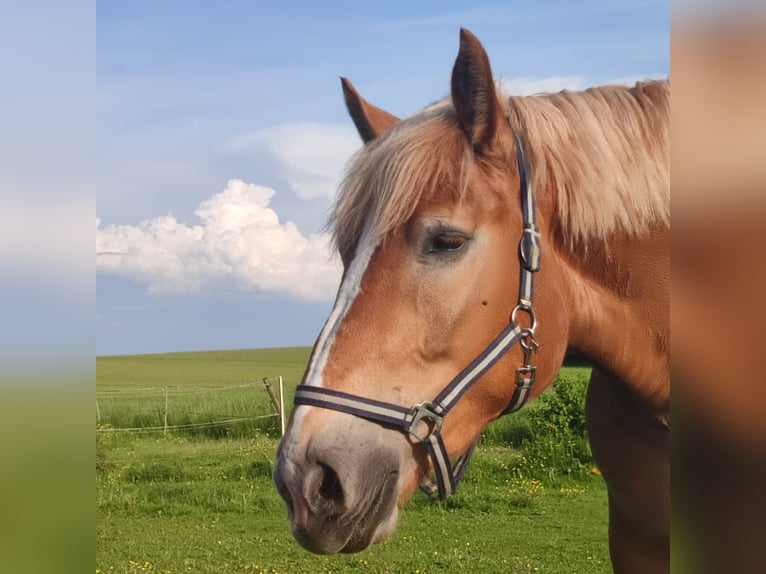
column 199, row 498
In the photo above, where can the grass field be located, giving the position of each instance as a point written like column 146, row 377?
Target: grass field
column 211, row 368
column 192, row 501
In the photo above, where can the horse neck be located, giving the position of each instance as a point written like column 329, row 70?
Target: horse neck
column 620, row 300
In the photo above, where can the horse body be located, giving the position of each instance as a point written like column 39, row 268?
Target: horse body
column 427, row 226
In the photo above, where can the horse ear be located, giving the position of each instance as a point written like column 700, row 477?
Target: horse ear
column 473, row 92
column 370, row 121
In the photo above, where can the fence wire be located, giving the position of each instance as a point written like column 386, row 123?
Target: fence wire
column 140, row 393
column 150, row 393
column 185, row 426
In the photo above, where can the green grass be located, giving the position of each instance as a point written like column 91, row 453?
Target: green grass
column 202, row 388
column 191, row 502
column 208, row 368
column 199, row 505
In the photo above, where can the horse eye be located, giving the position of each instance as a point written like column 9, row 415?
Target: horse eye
column 447, row 243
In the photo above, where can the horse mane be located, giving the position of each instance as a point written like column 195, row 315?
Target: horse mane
column 606, row 153
column 603, row 151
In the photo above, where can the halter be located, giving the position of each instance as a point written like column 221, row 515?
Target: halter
column 423, row 421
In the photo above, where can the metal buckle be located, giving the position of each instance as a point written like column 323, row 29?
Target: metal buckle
column 529, row 248
column 423, row 411
column 525, row 376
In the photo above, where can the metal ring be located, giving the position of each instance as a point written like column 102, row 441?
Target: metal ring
column 529, row 311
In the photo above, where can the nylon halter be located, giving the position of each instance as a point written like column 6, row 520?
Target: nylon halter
column 423, row 421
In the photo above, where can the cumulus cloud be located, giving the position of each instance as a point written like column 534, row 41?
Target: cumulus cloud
column 309, row 157
column 239, row 240
column 631, row 80
column 529, row 86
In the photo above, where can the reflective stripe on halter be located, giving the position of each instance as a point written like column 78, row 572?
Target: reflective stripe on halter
column 423, row 421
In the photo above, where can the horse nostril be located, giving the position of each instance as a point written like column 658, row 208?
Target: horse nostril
column 329, row 487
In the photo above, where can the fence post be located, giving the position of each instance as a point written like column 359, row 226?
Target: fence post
column 282, row 405
column 165, row 431
column 267, row 384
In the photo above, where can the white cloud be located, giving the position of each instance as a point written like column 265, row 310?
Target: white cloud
column 309, row 157
column 631, row 80
column 522, row 86
column 239, row 240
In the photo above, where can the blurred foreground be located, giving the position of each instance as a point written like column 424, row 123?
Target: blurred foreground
column 719, row 288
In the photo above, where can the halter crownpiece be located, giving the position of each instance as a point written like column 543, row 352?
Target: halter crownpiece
column 423, row 421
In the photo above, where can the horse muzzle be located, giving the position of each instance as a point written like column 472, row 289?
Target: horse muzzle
column 338, row 499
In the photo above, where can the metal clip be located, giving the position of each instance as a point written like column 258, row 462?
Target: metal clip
column 529, row 345
column 421, row 412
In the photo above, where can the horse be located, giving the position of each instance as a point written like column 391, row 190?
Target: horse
column 481, row 238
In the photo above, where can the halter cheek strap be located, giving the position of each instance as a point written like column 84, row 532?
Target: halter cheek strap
column 423, row 422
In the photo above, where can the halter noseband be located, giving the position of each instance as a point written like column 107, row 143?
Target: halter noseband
column 423, row 421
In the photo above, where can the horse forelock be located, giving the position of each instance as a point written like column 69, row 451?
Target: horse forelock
column 603, row 152
column 384, row 183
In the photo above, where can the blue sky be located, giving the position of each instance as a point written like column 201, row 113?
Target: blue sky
column 221, row 133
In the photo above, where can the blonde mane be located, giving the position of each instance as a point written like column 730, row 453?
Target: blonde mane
column 603, row 152
column 606, row 154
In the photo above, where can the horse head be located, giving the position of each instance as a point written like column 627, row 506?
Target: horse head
column 428, row 224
